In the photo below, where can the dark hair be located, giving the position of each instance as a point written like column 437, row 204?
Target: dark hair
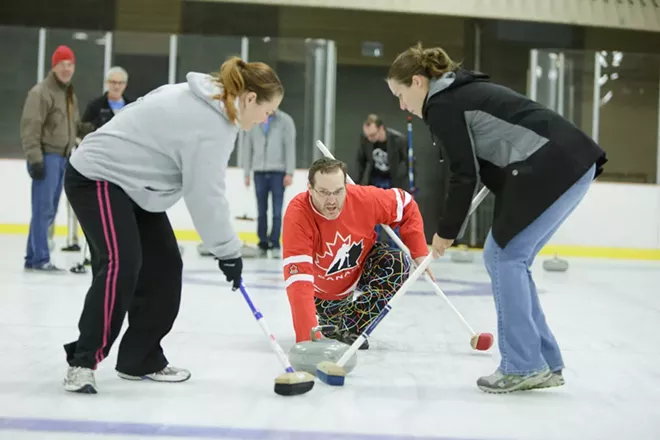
column 236, row 77
column 374, row 119
column 431, row 63
column 325, row 165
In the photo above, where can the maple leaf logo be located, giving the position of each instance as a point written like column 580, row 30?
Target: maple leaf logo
column 344, row 252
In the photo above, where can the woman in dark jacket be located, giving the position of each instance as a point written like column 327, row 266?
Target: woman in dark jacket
column 539, row 167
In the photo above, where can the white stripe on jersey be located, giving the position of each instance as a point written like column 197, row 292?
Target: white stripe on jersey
column 300, row 277
column 297, row 259
column 399, row 206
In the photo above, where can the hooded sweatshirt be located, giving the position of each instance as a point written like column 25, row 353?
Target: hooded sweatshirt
column 174, row 142
column 526, row 154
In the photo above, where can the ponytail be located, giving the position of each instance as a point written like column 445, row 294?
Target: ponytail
column 231, row 78
column 431, row 63
column 237, row 77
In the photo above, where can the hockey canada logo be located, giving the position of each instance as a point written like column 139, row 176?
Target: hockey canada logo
column 342, row 254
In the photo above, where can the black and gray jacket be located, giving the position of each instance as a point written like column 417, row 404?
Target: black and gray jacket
column 98, row 111
column 526, row 154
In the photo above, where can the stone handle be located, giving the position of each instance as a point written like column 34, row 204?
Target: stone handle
column 319, row 328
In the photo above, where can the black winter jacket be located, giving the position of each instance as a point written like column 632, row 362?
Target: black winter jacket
column 526, row 154
column 98, row 111
column 397, row 155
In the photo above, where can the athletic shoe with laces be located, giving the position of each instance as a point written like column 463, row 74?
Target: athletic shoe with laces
column 80, row 380
column 167, row 374
column 500, row 383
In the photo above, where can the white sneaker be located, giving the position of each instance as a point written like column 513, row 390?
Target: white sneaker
column 80, row 380
column 167, row 374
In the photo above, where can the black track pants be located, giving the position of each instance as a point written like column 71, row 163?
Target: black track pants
column 136, row 267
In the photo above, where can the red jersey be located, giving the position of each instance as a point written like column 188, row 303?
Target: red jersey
column 324, row 258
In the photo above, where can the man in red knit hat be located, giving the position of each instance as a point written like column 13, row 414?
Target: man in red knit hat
column 49, row 126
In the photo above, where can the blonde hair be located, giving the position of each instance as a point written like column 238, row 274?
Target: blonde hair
column 431, row 63
column 237, row 77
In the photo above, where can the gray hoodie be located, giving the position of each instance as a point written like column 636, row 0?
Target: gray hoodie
column 174, row 142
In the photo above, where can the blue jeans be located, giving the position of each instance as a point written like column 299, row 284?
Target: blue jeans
column 266, row 182
column 384, row 184
column 525, row 340
column 45, row 199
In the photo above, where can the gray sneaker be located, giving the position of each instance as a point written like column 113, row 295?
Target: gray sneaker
column 499, row 383
column 276, row 253
column 46, row 268
column 80, row 380
column 556, row 379
column 167, row 374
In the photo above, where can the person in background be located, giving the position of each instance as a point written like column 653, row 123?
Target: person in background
column 49, row 126
column 538, row 166
column 100, row 110
column 382, row 158
column 269, row 151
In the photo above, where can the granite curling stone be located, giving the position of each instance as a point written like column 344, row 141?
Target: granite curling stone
column 306, row 355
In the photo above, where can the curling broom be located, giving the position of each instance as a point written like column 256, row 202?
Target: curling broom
column 291, row 383
column 334, row 373
column 478, row 341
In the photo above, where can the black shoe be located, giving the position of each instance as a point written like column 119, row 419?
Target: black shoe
column 72, row 248
column 347, row 338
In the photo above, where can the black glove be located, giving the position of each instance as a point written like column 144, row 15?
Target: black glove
column 232, row 268
column 37, row 171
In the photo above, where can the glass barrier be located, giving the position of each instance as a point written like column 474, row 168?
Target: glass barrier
column 204, row 53
column 19, row 48
column 146, row 58
column 307, row 70
column 612, row 96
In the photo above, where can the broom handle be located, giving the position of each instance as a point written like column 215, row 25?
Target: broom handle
column 475, row 203
column 262, row 323
column 398, row 295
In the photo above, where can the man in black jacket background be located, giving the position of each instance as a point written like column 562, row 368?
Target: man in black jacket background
column 382, row 158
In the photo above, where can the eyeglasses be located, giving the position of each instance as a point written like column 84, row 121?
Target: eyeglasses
column 325, row 194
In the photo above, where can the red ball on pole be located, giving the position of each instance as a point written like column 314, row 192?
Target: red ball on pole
column 482, row 341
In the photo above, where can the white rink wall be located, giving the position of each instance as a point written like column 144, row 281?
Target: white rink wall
column 612, row 215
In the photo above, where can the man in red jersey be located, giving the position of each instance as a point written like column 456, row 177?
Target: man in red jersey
column 330, row 250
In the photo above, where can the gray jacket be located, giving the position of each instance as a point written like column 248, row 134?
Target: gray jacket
column 174, row 142
column 275, row 151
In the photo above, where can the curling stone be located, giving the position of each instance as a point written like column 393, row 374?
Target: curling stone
column 462, row 254
column 555, row 264
column 306, row 355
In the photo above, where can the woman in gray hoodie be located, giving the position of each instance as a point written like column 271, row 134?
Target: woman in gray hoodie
column 174, row 142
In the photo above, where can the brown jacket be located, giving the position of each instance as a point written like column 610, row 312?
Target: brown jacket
column 51, row 120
